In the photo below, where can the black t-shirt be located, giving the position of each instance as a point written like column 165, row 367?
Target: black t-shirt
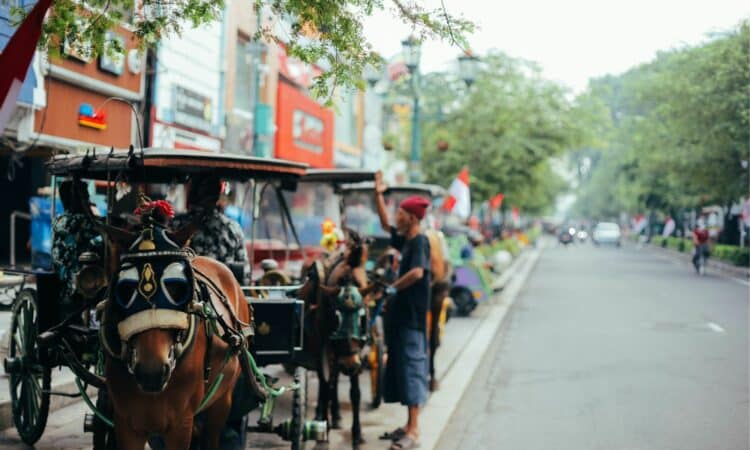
column 410, row 306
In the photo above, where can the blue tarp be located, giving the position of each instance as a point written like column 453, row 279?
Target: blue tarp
column 41, row 230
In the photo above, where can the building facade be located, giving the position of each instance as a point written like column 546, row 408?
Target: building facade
column 187, row 92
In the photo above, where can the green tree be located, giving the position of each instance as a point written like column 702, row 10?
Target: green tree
column 326, row 30
column 505, row 128
column 678, row 134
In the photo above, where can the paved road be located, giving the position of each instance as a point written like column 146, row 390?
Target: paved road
column 613, row 349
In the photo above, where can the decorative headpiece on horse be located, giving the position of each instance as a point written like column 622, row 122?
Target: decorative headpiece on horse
column 155, row 281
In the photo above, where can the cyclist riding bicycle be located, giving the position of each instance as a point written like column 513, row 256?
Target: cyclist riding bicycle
column 700, row 241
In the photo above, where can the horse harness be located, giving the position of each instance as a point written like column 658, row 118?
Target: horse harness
column 348, row 308
column 158, row 287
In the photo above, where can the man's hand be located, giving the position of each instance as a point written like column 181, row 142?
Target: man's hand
column 380, row 189
column 380, row 186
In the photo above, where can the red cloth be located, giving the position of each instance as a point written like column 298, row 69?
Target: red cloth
column 416, row 205
column 701, row 236
column 16, row 57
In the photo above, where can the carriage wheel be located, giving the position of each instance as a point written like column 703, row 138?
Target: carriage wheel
column 299, row 409
column 104, row 435
column 377, row 364
column 29, row 381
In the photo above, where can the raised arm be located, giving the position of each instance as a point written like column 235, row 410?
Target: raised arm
column 380, row 189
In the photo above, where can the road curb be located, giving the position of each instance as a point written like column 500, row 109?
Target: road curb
column 441, row 404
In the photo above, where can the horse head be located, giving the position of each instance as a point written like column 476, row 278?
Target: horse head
column 347, row 300
column 151, row 295
column 356, row 252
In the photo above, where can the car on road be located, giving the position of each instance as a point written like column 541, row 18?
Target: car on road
column 607, row 233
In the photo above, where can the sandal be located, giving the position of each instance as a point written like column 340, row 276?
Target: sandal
column 394, row 435
column 405, row 443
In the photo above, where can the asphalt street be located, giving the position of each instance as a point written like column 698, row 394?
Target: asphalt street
column 609, row 348
column 603, row 348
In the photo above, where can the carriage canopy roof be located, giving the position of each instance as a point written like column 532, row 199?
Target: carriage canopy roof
column 338, row 177
column 429, row 190
column 156, row 165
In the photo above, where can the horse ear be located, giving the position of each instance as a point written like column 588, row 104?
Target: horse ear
column 118, row 236
column 353, row 235
column 182, row 235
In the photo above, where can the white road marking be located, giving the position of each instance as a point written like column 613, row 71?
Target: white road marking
column 740, row 281
column 715, row 327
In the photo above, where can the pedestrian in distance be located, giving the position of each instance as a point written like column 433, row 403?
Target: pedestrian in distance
column 407, row 370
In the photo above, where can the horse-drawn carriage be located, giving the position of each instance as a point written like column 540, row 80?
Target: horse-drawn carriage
column 161, row 333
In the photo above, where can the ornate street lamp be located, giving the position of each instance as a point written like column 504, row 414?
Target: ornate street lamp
column 372, row 75
column 468, row 66
column 412, row 51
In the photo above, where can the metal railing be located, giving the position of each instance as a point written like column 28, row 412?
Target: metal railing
column 13, row 216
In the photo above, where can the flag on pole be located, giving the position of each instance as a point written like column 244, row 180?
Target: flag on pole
column 669, row 227
column 515, row 214
column 458, row 201
column 497, row 201
column 16, row 58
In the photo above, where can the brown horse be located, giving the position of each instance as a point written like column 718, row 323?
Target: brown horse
column 335, row 299
column 171, row 330
column 440, row 271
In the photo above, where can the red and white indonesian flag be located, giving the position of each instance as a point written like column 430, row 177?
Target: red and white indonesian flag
column 669, row 227
column 458, row 201
column 16, row 58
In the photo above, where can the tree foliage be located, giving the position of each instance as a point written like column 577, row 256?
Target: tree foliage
column 673, row 133
column 320, row 31
column 505, row 128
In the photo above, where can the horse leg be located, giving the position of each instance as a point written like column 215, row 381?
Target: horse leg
column 355, row 395
column 215, row 421
column 179, row 435
column 127, row 438
column 333, row 392
column 321, row 411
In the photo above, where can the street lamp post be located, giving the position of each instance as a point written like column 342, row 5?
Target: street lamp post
column 412, row 52
column 468, row 66
column 372, row 75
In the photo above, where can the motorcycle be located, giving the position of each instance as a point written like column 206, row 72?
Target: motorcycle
column 566, row 236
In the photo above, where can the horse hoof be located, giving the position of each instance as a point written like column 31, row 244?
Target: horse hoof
column 335, row 425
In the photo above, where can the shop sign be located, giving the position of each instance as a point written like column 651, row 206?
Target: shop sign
column 307, row 131
column 112, row 61
column 166, row 136
column 90, row 118
column 135, row 61
column 192, row 109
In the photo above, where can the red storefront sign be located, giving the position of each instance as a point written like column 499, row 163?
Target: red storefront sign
column 304, row 128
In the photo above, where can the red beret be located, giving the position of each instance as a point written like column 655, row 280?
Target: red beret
column 416, row 205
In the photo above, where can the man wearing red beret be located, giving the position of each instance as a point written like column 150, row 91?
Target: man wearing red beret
column 407, row 371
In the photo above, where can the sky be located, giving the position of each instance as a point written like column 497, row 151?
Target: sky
column 572, row 40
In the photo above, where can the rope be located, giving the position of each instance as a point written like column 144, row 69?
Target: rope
column 259, row 375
